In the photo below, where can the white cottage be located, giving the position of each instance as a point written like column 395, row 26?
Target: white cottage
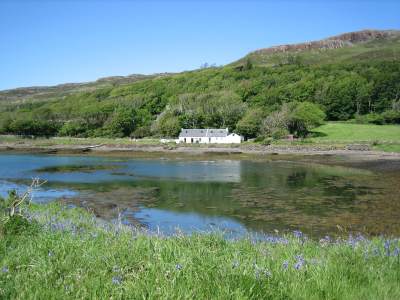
column 209, row 136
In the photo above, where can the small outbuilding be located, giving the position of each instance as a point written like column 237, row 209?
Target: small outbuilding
column 209, row 136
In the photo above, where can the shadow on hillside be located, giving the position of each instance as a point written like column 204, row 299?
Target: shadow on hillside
column 313, row 134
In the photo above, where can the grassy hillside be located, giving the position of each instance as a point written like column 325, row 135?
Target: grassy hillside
column 350, row 47
column 359, row 76
column 43, row 93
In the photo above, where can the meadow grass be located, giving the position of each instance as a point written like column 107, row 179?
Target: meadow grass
column 348, row 132
column 69, row 254
column 340, row 134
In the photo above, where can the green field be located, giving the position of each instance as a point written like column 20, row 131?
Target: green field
column 68, row 254
column 379, row 137
column 347, row 132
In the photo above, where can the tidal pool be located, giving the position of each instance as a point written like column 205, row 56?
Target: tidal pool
column 234, row 195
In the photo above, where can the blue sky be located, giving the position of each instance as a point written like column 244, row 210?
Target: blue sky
column 51, row 42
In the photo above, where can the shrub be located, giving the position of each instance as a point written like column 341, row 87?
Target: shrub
column 304, row 117
column 249, row 126
column 141, row 132
column 32, row 127
column 391, row 117
column 369, row 118
column 18, row 225
column 295, row 118
column 121, row 123
column 276, row 121
column 73, row 128
column 167, row 125
column 279, row 133
column 387, row 117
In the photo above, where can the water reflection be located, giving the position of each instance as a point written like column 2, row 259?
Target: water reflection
column 171, row 222
column 238, row 195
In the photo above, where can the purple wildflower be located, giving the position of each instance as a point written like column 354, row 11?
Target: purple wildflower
column 300, row 262
column 117, row 280
column 178, row 267
column 285, row 264
column 387, row 247
column 276, row 240
column 4, row 269
column 396, row 251
column 50, row 254
column 298, row 234
column 267, row 273
column 235, row 264
column 352, row 242
column 298, row 265
column 299, row 257
column 376, row 252
column 116, row 269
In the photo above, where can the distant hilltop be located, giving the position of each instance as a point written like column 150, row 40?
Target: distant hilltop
column 364, row 45
column 334, row 42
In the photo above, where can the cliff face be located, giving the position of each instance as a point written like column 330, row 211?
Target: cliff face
column 335, row 42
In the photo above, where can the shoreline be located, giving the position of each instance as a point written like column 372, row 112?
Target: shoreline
column 196, row 150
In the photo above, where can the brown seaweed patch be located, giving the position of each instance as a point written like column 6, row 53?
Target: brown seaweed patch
column 77, row 168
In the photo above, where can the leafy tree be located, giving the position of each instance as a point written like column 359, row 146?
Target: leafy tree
column 141, row 132
column 297, row 118
column 167, row 125
column 304, row 117
column 74, row 129
column 31, row 127
column 276, row 124
column 121, row 123
column 250, row 124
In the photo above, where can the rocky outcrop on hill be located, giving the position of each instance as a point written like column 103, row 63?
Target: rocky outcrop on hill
column 339, row 41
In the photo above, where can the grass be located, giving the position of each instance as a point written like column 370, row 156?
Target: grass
column 378, row 137
column 69, row 254
column 337, row 135
column 388, row 147
column 352, row 133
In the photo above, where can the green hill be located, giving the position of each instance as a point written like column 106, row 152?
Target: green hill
column 351, row 74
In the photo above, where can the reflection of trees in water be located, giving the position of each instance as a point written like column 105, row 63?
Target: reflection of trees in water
column 270, row 196
column 305, row 196
column 211, row 198
column 296, row 179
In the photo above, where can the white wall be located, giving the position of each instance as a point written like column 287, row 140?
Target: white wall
column 232, row 138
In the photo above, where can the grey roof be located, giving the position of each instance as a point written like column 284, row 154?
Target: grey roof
column 209, row 132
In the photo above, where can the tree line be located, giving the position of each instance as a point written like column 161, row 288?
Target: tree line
column 251, row 100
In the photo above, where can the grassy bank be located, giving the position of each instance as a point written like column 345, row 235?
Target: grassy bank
column 68, row 254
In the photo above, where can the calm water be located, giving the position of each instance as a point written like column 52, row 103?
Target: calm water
column 237, row 196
